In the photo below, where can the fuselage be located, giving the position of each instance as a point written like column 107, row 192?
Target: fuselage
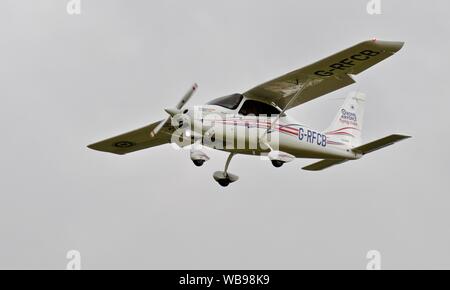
column 256, row 134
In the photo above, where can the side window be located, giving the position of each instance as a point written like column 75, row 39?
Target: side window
column 251, row 107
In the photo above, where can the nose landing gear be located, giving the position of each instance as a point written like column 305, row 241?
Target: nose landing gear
column 224, row 178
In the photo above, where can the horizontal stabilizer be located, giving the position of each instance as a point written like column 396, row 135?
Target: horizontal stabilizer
column 324, row 164
column 380, row 144
column 364, row 149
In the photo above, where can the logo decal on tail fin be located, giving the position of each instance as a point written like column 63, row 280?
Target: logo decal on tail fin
column 347, row 125
column 349, row 117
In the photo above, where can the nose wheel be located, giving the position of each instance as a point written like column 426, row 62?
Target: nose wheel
column 224, row 178
column 224, row 182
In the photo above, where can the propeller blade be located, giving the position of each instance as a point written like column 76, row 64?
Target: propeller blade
column 173, row 112
column 187, row 97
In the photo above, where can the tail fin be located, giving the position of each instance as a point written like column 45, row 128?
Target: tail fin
column 346, row 128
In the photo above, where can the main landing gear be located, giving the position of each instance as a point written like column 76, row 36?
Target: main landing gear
column 224, row 178
column 277, row 163
column 198, row 163
column 279, row 158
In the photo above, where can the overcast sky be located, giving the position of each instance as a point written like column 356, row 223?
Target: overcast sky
column 68, row 81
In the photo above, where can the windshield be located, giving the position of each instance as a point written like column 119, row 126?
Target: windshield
column 229, row 102
column 256, row 108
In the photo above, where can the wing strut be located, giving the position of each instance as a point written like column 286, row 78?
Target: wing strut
column 297, row 94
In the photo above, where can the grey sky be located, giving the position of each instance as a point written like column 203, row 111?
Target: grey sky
column 67, row 81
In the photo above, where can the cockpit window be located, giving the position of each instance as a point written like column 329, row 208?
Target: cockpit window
column 229, row 102
column 251, row 107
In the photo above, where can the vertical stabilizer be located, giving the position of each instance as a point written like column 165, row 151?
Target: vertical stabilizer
column 346, row 128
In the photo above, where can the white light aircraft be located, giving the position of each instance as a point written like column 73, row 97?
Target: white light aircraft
column 256, row 123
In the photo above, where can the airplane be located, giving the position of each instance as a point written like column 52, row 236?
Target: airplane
column 257, row 121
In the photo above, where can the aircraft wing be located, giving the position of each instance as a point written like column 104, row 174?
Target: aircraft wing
column 324, row 76
column 134, row 141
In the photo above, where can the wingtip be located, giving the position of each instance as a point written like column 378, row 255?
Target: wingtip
column 91, row 146
column 392, row 46
column 403, row 136
column 401, row 44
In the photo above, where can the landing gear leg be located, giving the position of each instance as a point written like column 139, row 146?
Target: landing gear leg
column 228, row 161
column 223, row 177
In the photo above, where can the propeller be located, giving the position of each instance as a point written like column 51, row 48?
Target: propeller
column 175, row 111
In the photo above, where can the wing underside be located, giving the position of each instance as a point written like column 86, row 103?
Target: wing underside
column 133, row 141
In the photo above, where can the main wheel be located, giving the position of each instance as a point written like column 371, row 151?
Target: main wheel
column 198, row 163
column 277, row 163
column 224, row 182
